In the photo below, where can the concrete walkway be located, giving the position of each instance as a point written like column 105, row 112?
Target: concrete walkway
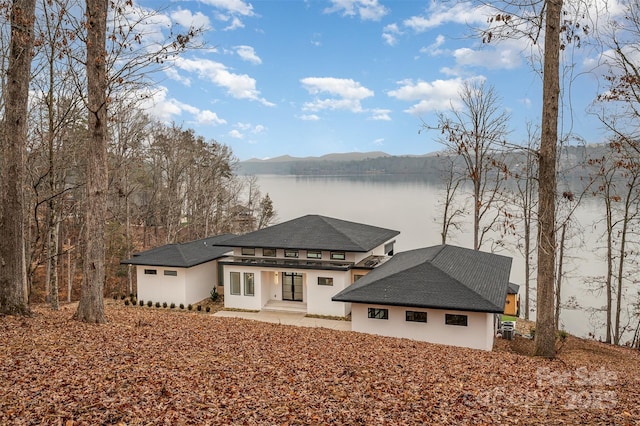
column 287, row 318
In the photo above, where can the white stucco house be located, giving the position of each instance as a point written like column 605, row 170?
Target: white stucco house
column 442, row 294
column 301, row 264
column 179, row 273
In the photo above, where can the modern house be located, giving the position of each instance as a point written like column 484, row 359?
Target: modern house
column 180, row 273
column 300, row 264
column 442, row 294
column 512, row 303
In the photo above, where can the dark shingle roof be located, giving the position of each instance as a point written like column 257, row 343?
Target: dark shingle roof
column 441, row 277
column 513, row 288
column 314, row 232
column 183, row 255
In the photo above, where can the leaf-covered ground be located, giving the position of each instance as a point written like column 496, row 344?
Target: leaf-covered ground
column 154, row 366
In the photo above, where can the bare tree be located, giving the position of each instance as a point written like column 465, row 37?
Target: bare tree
column 453, row 209
column 91, row 306
column 476, row 134
column 13, row 285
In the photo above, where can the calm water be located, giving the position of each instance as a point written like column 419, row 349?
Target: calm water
column 412, row 207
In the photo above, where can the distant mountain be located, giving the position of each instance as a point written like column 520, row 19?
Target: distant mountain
column 351, row 163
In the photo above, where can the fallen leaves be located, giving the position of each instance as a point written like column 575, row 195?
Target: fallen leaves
column 157, row 367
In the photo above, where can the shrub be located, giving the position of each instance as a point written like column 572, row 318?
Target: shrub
column 157, row 304
column 141, row 303
column 126, row 302
column 173, row 305
column 208, row 308
column 562, row 335
column 164, row 305
column 122, row 296
column 189, row 307
column 181, row 306
column 149, row 303
column 115, row 297
column 134, row 302
column 214, row 294
column 199, row 308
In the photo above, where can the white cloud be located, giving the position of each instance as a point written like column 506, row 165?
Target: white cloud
column 380, row 114
column 434, row 48
column 368, row 10
column 389, row 34
column 440, row 13
column 434, row 96
column 309, row 117
column 235, row 24
column 239, row 86
column 236, row 134
column 187, row 19
column 504, row 54
column 248, row 54
column 346, row 93
column 378, row 142
column 259, row 129
column 209, row 117
column 238, row 7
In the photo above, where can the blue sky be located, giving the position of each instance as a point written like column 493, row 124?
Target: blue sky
column 308, row 78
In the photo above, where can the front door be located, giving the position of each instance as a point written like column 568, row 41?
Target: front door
column 292, row 287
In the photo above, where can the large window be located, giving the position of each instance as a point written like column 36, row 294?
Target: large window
column 314, row 254
column 416, row 316
column 269, row 252
column 249, row 284
column 325, row 281
column 290, row 253
column 451, row 319
column 338, row 255
column 151, row 272
column 377, row 313
column 171, row 273
column 248, row 251
column 234, row 280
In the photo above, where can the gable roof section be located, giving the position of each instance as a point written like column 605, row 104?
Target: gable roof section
column 513, row 288
column 440, row 277
column 315, row 232
column 183, row 255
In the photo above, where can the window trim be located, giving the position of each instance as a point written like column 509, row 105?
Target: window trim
column 378, row 313
column 338, row 255
column 328, row 281
column 410, row 316
column 249, row 278
column 291, row 253
column 248, row 251
column 231, row 283
column 170, row 273
column 151, row 272
column 456, row 319
column 264, row 254
column 314, row 254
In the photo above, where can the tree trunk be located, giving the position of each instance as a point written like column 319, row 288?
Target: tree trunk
column 545, row 330
column 13, row 274
column 559, row 277
column 91, row 306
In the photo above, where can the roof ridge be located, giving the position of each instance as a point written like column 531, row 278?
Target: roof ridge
column 324, row 218
column 443, row 246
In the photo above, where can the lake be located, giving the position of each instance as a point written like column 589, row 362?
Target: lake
column 411, row 206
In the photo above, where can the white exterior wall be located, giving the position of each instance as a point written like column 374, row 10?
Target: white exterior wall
column 478, row 334
column 319, row 296
column 200, row 280
column 161, row 288
column 235, row 301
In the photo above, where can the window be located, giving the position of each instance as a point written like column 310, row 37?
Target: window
column 451, row 319
column 150, row 272
column 248, row 251
column 171, row 273
column 378, row 313
column 234, row 279
column 338, row 255
column 356, row 277
column 388, row 248
column 325, row 281
column 249, row 286
column 291, row 253
column 414, row 316
column 314, row 254
column 269, row 252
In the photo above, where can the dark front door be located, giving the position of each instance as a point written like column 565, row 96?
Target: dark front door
column 292, row 287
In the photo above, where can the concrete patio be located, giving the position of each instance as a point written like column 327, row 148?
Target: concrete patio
column 287, row 318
